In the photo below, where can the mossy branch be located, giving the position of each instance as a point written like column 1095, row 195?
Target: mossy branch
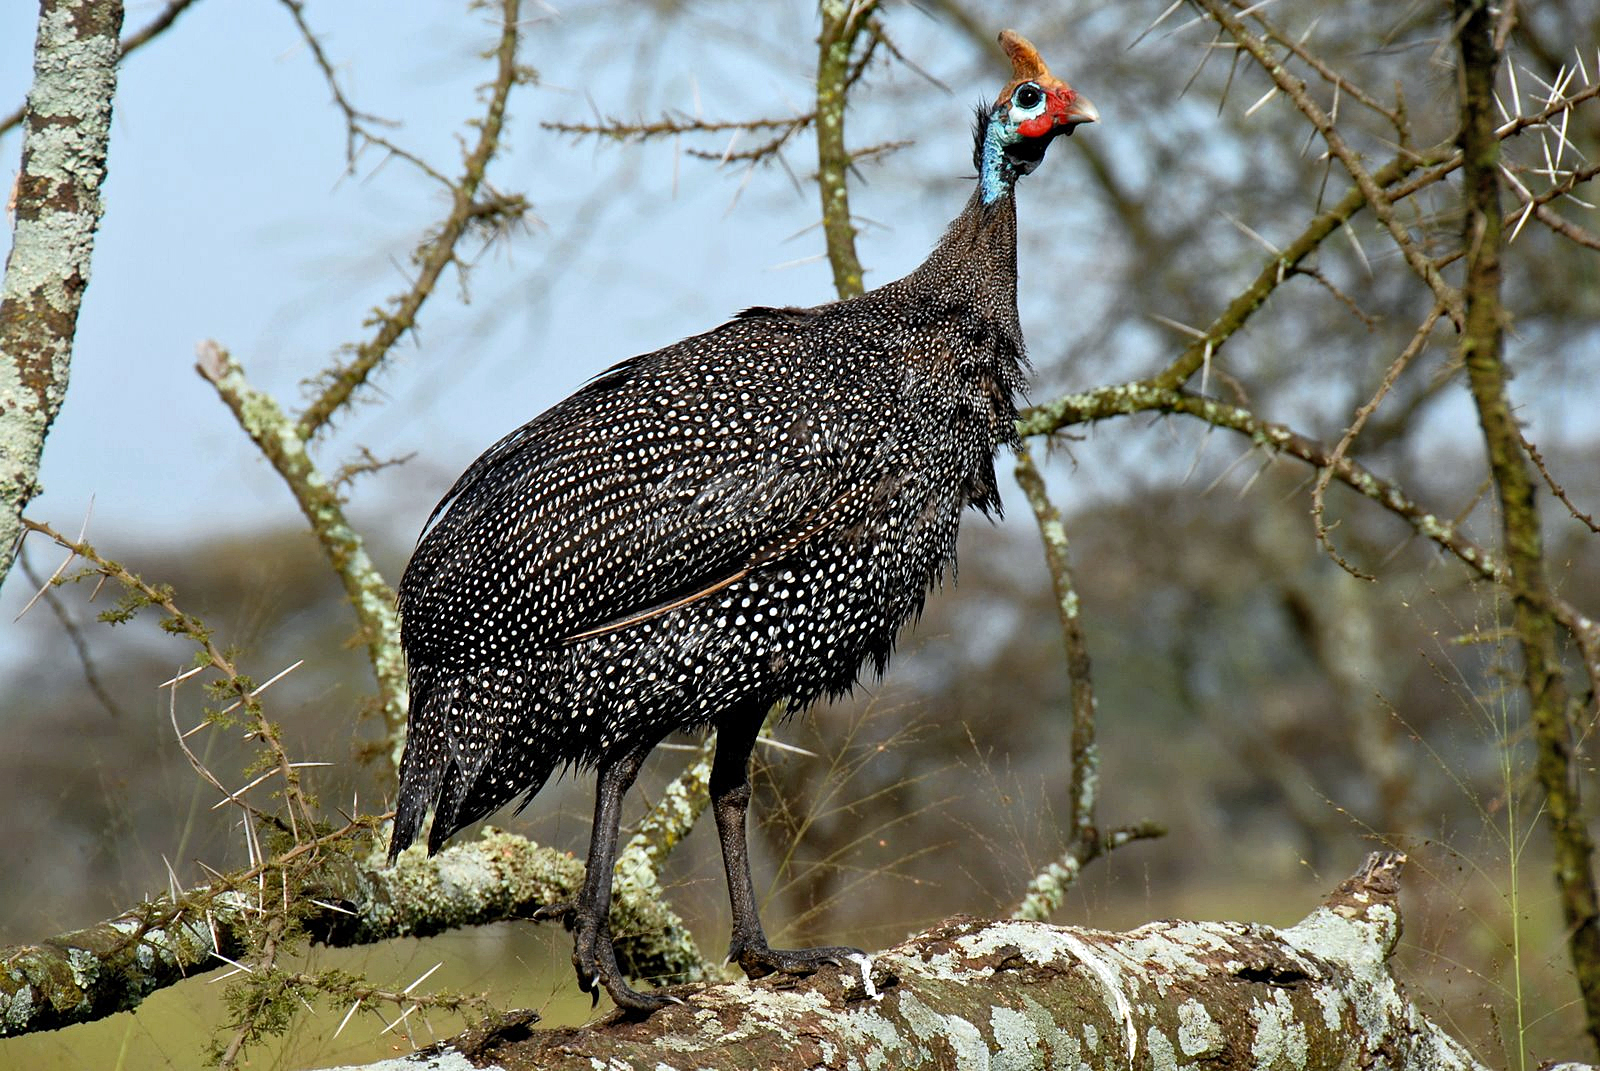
column 842, row 23
column 371, row 597
column 347, row 898
column 1537, row 627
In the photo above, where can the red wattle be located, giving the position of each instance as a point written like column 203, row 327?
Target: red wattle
column 1038, row 126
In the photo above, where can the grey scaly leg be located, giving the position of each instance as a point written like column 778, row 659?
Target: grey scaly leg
column 730, row 802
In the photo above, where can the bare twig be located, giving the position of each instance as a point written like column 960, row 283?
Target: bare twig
column 437, row 252
column 80, row 647
column 1085, row 756
column 1585, row 519
column 1085, row 840
column 1318, row 493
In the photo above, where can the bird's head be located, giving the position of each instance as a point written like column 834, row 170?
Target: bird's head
column 1032, row 110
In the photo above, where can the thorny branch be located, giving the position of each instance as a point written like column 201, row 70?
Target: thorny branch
column 439, row 251
column 1370, row 187
column 1537, row 627
column 239, row 691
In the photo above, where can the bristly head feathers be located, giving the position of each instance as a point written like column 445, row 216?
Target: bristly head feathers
column 1034, row 108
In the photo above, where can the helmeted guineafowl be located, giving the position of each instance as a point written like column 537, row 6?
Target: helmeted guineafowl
column 743, row 517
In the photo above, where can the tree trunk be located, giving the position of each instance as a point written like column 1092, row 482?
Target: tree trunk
column 58, row 206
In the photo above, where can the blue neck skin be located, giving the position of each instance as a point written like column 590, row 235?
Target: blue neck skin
column 997, row 176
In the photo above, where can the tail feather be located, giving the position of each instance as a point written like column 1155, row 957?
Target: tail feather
column 422, row 767
column 456, row 759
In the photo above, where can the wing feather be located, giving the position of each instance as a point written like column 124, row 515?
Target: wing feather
column 658, row 483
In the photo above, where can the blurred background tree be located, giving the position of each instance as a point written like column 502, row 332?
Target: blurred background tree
column 1278, row 713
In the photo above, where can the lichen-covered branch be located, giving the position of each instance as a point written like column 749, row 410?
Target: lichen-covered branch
column 275, row 434
column 1085, row 839
column 58, row 208
column 842, row 23
column 1482, row 353
column 88, row 974
column 1023, row 995
column 131, row 43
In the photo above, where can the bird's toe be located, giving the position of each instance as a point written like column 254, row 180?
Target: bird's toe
column 759, row 962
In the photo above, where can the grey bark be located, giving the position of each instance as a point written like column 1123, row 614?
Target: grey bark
column 1018, row 994
column 57, row 206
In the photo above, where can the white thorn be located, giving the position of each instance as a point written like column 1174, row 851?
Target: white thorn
column 1176, row 325
column 346, row 1020
column 1268, row 95
column 1176, row 4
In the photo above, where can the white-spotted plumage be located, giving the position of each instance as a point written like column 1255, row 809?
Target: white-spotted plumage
column 746, row 516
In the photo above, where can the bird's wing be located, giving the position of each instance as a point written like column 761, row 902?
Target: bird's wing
column 664, row 480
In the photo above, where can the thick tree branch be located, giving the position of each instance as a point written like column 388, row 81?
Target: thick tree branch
column 91, row 973
column 1017, row 994
column 58, row 209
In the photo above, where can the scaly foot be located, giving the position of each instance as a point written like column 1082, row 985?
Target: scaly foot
column 757, row 961
column 595, row 960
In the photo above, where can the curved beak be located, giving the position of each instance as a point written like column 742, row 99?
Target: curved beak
column 1079, row 110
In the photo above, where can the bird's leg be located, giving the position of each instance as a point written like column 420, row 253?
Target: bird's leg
column 592, row 954
column 730, row 802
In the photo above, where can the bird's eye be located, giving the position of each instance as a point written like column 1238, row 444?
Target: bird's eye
column 1027, row 96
